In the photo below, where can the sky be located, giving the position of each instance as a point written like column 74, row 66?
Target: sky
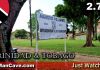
column 47, row 6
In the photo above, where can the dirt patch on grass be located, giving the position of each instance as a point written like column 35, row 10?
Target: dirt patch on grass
column 79, row 57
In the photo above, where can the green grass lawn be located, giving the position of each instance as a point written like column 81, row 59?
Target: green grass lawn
column 58, row 45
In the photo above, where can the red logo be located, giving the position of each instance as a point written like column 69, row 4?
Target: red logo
column 4, row 10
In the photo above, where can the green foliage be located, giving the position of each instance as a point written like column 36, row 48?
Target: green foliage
column 59, row 10
column 22, row 34
column 33, row 22
column 75, row 10
column 99, row 37
column 95, row 37
column 34, row 35
column 71, row 11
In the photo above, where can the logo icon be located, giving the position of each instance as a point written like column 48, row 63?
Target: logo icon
column 4, row 10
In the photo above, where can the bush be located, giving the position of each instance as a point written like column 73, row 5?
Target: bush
column 21, row 34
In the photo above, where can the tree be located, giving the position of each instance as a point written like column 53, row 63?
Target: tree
column 81, row 23
column 96, row 19
column 33, row 22
column 22, row 34
column 75, row 9
column 60, row 10
column 6, row 27
column 69, row 13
